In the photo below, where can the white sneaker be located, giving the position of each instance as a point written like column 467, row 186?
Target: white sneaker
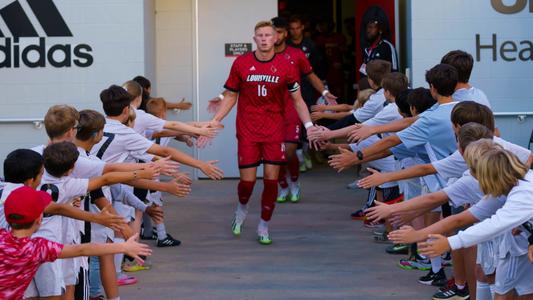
column 295, row 191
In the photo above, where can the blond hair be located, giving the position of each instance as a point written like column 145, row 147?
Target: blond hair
column 262, row 24
column 60, row 119
column 496, row 169
column 132, row 115
column 133, row 88
column 156, row 106
column 362, row 97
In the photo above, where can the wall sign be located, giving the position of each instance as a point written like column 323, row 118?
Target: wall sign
column 237, row 49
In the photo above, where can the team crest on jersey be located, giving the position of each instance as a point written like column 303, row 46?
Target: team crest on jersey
column 252, row 68
column 273, row 69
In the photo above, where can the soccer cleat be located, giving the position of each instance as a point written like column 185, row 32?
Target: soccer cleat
column 398, row 249
column 308, row 162
column 264, row 238
column 282, row 195
column 452, row 292
column 126, row 280
column 415, row 263
column 236, row 227
column 295, row 192
column 169, row 241
column 434, row 279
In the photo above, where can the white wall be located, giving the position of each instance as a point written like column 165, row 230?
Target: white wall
column 440, row 26
column 219, row 22
column 115, row 32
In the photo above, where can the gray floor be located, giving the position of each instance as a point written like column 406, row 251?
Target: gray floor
column 318, row 251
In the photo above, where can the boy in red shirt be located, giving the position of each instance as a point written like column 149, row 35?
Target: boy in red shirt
column 21, row 255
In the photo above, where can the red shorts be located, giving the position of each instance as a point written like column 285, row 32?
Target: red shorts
column 252, row 154
column 292, row 132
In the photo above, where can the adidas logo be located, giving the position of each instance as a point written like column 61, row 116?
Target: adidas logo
column 47, row 18
column 252, row 68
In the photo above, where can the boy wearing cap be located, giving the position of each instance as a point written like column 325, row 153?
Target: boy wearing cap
column 21, row 255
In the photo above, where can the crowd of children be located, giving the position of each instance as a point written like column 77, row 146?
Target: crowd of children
column 437, row 165
column 93, row 190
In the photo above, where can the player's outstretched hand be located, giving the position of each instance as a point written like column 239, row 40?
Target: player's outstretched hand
column 167, row 166
column 330, row 98
column 184, row 105
column 405, row 235
column 360, row 133
column 135, row 249
column 183, row 178
column 149, row 172
column 343, row 160
column 207, row 131
column 318, row 133
column 155, row 212
column 210, row 169
column 318, row 107
column 376, row 178
column 214, row 105
column 202, row 142
column 436, row 245
column 178, row 189
column 379, row 212
column 107, row 219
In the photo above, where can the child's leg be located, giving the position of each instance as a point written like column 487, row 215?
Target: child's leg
column 136, row 224
column 108, row 275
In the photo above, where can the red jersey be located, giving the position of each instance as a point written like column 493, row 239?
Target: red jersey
column 302, row 67
column 261, row 86
column 19, row 260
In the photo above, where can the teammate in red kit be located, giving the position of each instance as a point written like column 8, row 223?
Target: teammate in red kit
column 260, row 80
column 297, row 59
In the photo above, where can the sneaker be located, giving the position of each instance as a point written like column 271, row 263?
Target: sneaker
column 126, row 280
column 295, row 192
column 449, row 284
column 308, row 162
column 303, row 169
column 236, row 227
column 398, row 249
column 447, row 259
column 435, row 279
column 369, row 224
column 134, row 267
column 452, row 293
column 150, row 238
column 169, row 241
column 352, row 185
column 358, row 215
column 382, row 238
column 282, row 195
column 415, row 263
column 264, row 238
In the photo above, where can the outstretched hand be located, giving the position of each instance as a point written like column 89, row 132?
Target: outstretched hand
column 343, row 160
column 380, row 211
column 404, row 235
column 436, row 245
column 214, row 105
column 376, row 178
column 360, row 133
column 107, row 219
column 135, row 249
column 210, row 169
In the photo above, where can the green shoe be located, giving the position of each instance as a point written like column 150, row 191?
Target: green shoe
column 236, row 227
column 282, row 196
column 264, row 239
column 296, row 197
column 303, row 169
column 308, row 162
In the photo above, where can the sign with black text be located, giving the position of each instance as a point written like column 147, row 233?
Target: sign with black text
column 237, row 49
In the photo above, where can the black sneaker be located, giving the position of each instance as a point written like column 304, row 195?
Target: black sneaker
column 452, row 293
column 169, row 241
column 435, row 279
column 398, row 249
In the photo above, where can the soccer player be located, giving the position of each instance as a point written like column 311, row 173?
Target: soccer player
column 260, row 80
column 296, row 58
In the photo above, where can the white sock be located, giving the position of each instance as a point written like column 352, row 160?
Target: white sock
column 483, row 291
column 460, row 286
column 161, row 231
column 492, row 288
column 300, row 155
column 242, row 208
column 262, row 227
column 436, row 264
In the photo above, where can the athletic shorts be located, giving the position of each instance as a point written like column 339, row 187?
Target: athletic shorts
column 252, row 154
column 47, row 282
column 514, row 272
column 124, row 210
column 486, row 257
column 292, row 132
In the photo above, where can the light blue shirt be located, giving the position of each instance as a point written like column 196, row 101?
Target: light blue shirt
column 433, row 127
column 471, row 94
